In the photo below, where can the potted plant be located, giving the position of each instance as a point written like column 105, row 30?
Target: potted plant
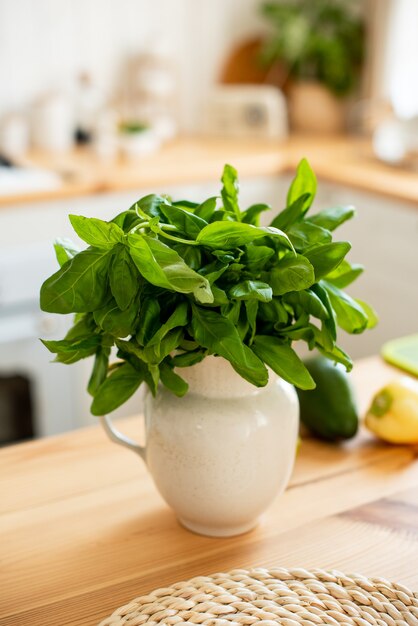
column 202, row 306
column 322, row 45
column 137, row 139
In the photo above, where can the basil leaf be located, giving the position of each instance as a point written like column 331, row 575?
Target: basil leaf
column 283, row 360
column 99, row 372
column 164, row 267
column 186, row 204
column 213, row 271
column 186, row 359
column 304, row 333
column 274, row 312
column 256, row 257
column 70, row 351
column 229, row 235
column 304, row 235
column 65, row 250
column 224, row 257
column 251, row 308
column 372, row 317
column 190, row 255
column 149, row 320
column 79, row 286
column 153, row 378
column 219, row 295
column 345, row 274
column 328, row 326
column 309, row 302
column 178, row 318
column 126, row 220
column 350, row 315
column 186, row 222
column 292, row 213
column 116, row 322
column 230, row 191
column 337, row 355
column 133, row 355
column 173, row 381
column 221, row 216
column 206, row 209
column 150, row 205
column 82, row 329
column 220, row 336
column 243, row 325
column 334, row 217
column 252, row 214
column 303, row 183
column 116, row 389
column 231, row 311
column 96, row 232
column 327, row 257
column 291, row 274
column 156, row 352
column 124, row 278
column 251, row 290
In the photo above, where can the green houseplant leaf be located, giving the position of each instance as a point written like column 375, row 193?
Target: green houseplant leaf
column 316, row 41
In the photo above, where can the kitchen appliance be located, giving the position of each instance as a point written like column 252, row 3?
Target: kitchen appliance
column 247, row 111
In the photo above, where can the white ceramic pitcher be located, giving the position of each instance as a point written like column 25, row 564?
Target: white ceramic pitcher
column 220, row 454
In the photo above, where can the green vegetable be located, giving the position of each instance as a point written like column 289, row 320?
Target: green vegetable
column 329, row 411
column 166, row 283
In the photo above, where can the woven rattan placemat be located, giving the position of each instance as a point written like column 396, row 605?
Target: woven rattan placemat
column 268, row 597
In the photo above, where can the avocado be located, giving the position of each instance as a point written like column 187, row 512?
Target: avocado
column 329, row 411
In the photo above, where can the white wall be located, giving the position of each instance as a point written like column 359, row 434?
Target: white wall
column 46, row 43
column 401, row 52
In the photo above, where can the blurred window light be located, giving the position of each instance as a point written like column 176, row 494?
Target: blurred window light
column 401, row 71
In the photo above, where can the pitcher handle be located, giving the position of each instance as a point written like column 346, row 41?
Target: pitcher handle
column 121, row 439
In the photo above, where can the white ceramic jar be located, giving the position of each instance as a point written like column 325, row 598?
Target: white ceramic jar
column 221, row 454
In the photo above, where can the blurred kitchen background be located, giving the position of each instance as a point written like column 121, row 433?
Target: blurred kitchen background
column 103, row 101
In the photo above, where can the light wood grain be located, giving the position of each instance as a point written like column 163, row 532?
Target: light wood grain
column 342, row 160
column 82, row 529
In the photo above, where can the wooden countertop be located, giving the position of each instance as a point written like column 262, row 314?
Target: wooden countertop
column 83, row 529
column 343, row 160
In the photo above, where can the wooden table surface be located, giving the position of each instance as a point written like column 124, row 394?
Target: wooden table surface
column 344, row 160
column 82, row 529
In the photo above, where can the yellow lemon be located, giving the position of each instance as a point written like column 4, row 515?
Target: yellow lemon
column 393, row 414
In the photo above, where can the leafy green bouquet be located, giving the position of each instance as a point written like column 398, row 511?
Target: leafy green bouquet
column 168, row 283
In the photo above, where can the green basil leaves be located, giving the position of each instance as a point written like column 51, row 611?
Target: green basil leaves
column 166, row 283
